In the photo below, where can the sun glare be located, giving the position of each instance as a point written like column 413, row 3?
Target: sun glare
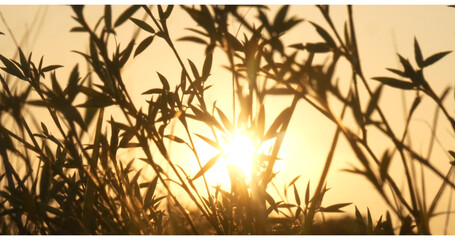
column 239, row 152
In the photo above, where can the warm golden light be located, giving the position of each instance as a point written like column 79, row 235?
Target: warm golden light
column 239, row 152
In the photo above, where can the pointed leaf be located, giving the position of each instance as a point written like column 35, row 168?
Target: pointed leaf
column 325, row 35
column 452, row 153
column 317, row 47
column 408, row 69
column 150, row 191
column 360, row 222
column 143, row 45
column 194, row 69
column 357, row 111
column 25, row 66
column 72, row 89
column 395, row 83
column 415, row 104
column 175, row 138
column 108, row 17
column 143, row 25
column 293, row 181
column 225, row 120
column 398, row 72
column 11, row 68
column 164, row 81
column 277, row 123
column 193, row 39
column 207, row 66
column 234, row 42
column 207, row 166
column 45, row 182
column 126, row 15
column 370, row 222
column 279, row 18
column 296, row 195
column 385, row 163
column 209, row 141
column 334, row 207
column 51, row 67
column 125, row 55
column 55, row 85
column 434, row 58
column 153, row 91
column 418, row 53
column 307, row 194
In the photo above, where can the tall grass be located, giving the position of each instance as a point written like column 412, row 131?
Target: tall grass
column 83, row 186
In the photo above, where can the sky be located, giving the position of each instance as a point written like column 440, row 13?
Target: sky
column 381, row 30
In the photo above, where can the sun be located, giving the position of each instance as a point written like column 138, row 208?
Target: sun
column 239, row 152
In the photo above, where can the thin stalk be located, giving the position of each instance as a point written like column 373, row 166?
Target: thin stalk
column 449, row 207
column 390, row 132
column 87, row 215
column 315, row 203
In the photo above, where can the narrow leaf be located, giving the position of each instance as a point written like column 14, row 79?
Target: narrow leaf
column 207, row 66
column 277, row 123
column 143, row 45
column 317, row 47
column 193, row 39
column 360, row 221
column 209, row 141
column 398, row 72
column 418, row 53
column 126, row 15
column 11, row 68
column 395, row 82
column 175, row 138
column 370, row 222
column 434, row 58
column 164, row 82
column 385, row 163
column 296, row 195
column 279, row 18
column 194, row 69
column 207, row 166
column 150, row 191
column 108, row 17
column 225, row 120
column 325, row 35
column 408, row 69
column 307, row 194
column 143, row 25
column 334, row 207
column 51, row 67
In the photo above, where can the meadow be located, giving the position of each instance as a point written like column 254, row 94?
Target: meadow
column 200, row 150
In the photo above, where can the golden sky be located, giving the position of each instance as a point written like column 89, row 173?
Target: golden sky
column 381, row 31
